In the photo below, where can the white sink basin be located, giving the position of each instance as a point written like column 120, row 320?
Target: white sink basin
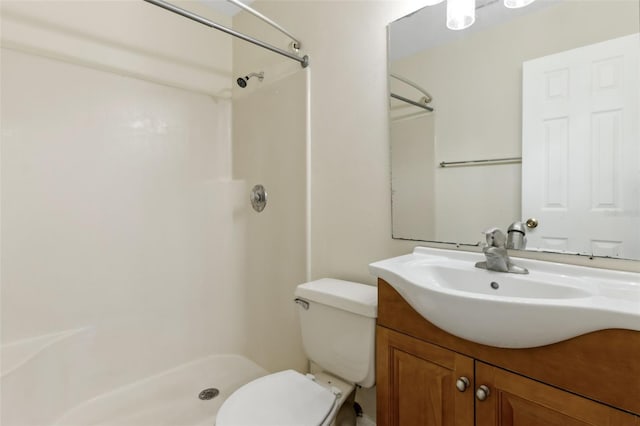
column 554, row 302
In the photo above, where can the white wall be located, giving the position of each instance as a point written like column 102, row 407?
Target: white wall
column 117, row 203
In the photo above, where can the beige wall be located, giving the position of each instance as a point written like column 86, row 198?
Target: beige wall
column 476, row 83
column 412, row 177
column 269, row 148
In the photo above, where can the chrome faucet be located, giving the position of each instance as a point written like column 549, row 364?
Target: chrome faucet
column 496, row 254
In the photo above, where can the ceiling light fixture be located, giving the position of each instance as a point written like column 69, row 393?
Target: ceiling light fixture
column 461, row 14
column 514, row 4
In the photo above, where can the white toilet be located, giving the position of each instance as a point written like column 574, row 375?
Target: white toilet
column 338, row 321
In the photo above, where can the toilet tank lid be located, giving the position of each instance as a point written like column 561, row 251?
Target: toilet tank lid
column 349, row 296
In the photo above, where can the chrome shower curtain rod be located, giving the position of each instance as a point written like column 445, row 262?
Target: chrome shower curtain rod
column 422, row 103
column 297, row 44
column 409, row 101
column 304, row 61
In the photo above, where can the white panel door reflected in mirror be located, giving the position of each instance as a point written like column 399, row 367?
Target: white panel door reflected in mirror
column 580, row 131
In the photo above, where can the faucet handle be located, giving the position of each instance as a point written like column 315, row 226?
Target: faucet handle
column 516, row 238
column 518, row 227
column 495, row 237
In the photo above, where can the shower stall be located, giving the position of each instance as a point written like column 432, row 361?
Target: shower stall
column 134, row 272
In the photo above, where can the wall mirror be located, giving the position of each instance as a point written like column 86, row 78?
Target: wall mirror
column 534, row 113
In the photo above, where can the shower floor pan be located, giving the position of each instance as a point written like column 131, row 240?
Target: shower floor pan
column 170, row 398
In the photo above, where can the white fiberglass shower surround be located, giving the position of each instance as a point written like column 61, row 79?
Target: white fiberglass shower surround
column 134, row 272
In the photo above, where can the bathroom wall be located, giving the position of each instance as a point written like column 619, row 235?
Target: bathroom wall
column 269, row 148
column 270, row 145
column 117, row 198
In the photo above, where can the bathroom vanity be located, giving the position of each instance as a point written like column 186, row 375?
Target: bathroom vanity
column 426, row 376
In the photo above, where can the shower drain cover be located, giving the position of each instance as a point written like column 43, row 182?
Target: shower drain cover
column 208, row 394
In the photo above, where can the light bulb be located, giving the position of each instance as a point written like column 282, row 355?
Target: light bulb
column 514, row 4
column 461, row 14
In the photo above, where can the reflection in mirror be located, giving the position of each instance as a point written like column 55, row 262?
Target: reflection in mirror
column 535, row 115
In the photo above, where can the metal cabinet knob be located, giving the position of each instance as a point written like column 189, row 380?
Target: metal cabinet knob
column 482, row 393
column 462, row 384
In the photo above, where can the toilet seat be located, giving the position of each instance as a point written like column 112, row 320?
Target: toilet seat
column 286, row 398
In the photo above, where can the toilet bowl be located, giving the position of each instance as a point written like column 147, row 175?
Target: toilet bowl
column 337, row 321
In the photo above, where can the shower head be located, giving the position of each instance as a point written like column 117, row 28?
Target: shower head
column 242, row 81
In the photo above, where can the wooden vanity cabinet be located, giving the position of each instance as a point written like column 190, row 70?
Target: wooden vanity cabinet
column 418, row 387
column 428, row 377
column 518, row 401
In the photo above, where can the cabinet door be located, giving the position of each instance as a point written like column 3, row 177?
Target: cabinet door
column 417, row 383
column 514, row 400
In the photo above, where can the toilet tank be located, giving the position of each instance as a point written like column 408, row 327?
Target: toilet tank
column 338, row 323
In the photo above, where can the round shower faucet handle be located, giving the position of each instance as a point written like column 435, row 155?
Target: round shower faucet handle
column 258, row 198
